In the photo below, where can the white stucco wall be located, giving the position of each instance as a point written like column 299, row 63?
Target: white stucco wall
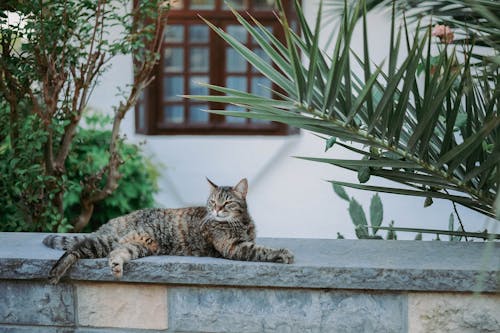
column 287, row 197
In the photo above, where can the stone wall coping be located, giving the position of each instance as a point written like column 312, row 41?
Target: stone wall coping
column 319, row 263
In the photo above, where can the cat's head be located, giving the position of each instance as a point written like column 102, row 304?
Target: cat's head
column 227, row 202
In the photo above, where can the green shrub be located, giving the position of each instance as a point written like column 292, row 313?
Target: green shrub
column 136, row 187
column 51, row 62
column 22, row 180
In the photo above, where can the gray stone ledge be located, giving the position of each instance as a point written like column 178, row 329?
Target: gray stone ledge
column 320, row 263
column 6, row 328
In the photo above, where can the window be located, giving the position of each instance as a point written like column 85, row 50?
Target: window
column 193, row 53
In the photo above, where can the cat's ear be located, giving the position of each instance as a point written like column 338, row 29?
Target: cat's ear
column 242, row 188
column 212, row 185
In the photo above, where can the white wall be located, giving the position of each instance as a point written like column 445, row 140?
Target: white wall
column 287, row 197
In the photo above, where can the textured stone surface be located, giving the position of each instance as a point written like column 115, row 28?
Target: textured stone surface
column 339, row 264
column 37, row 329
column 280, row 310
column 445, row 312
column 53, row 329
column 23, row 302
column 122, row 305
column 363, row 312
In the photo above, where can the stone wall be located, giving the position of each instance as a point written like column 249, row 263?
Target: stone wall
column 454, row 290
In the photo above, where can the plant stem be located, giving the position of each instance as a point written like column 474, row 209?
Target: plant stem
column 458, row 217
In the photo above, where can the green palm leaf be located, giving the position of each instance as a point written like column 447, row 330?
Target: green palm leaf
column 405, row 134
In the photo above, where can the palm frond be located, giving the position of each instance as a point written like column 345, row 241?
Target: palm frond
column 442, row 141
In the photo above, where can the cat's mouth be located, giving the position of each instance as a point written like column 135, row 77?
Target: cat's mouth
column 219, row 217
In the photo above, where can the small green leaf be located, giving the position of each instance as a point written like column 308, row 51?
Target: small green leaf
column 364, row 174
column 460, row 120
column 330, row 142
column 488, row 148
column 340, row 191
column 391, row 155
column 358, row 219
column 376, row 212
column 391, row 234
column 340, row 236
column 418, row 237
column 428, row 202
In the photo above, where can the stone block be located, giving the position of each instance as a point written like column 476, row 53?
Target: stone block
column 451, row 312
column 346, row 312
column 249, row 310
column 38, row 303
column 122, row 305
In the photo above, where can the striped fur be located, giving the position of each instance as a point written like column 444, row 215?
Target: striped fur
column 223, row 228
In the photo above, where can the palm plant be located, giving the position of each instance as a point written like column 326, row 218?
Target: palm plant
column 435, row 134
column 472, row 20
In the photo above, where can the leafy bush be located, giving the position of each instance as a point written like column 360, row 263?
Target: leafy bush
column 52, row 58
column 137, row 185
column 22, row 180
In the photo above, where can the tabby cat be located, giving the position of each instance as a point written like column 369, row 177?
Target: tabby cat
column 223, row 228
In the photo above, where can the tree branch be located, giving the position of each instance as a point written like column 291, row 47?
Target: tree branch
column 142, row 78
column 87, row 73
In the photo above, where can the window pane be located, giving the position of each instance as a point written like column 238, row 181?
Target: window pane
column 173, row 114
column 174, row 33
column 199, row 59
column 235, row 120
column 198, row 33
column 174, row 59
column 198, row 116
column 238, row 32
column 260, row 121
column 237, row 82
column 263, row 4
column 236, row 4
column 141, row 108
column 172, row 87
column 202, row 4
column 261, row 86
column 262, row 33
column 263, row 55
column 234, row 62
column 195, row 88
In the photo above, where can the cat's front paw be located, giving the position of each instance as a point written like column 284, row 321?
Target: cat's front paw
column 54, row 275
column 53, row 278
column 284, row 256
column 116, row 268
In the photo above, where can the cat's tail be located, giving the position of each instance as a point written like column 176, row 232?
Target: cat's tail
column 62, row 242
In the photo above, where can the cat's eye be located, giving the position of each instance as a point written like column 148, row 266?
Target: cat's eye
column 230, row 204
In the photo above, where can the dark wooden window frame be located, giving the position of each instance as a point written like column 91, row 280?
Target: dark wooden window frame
column 149, row 111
